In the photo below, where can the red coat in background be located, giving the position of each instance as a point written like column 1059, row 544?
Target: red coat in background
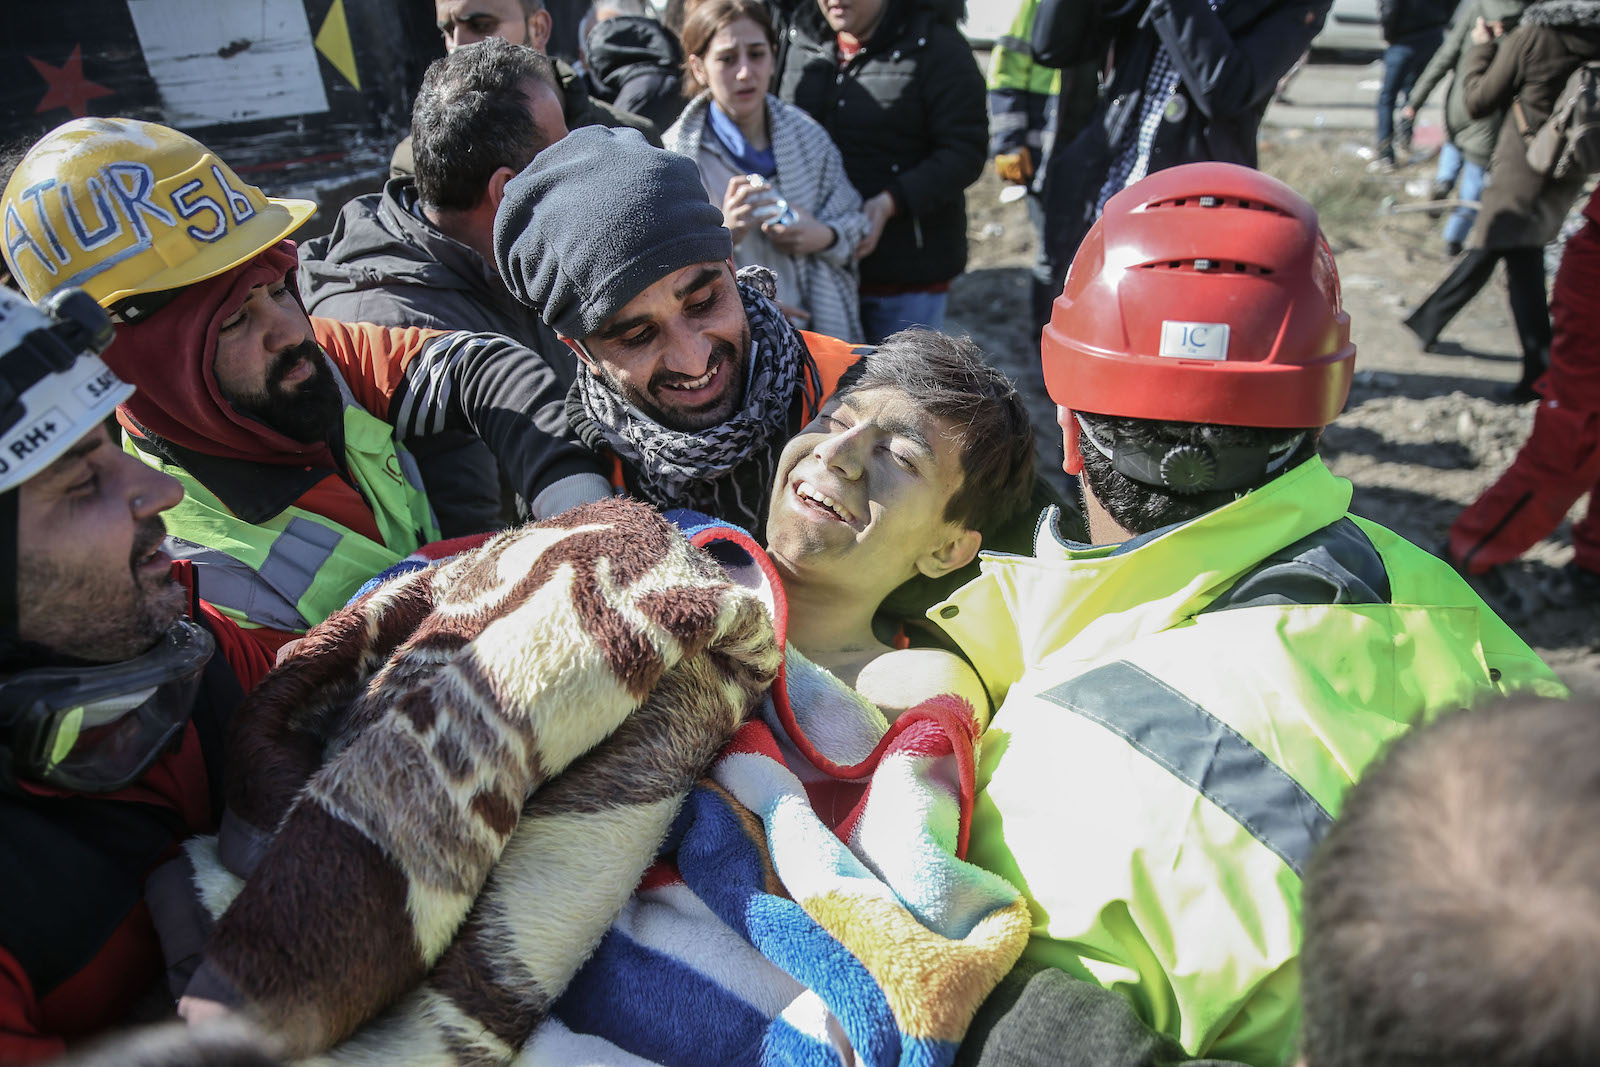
column 1561, row 459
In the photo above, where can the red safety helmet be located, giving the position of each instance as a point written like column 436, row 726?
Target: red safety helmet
column 1205, row 293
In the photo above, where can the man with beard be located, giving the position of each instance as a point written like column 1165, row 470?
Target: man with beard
column 695, row 380
column 282, row 429
column 116, row 685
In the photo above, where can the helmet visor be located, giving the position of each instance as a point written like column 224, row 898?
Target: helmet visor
column 97, row 729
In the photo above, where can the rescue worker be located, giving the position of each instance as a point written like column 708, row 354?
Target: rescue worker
column 692, row 381
column 282, row 429
column 1183, row 702
column 116, row 685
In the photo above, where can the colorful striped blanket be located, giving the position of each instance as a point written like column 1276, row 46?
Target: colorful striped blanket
column 809, row 905
column 812, row 907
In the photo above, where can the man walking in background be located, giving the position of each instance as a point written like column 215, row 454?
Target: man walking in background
column 1412, row 29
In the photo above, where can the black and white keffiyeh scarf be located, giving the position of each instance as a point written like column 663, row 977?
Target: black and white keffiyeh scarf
column 725, row 471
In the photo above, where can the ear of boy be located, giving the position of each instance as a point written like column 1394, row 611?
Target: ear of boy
column 952, row 554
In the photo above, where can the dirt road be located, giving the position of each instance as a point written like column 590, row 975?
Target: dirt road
column 1420, row 437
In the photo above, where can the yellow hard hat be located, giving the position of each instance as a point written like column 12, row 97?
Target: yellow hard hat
column 124, row 209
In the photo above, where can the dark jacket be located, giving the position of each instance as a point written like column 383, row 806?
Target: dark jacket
column 382, row 263
column 578, row 108
column 1474, row 137
column 581, row 109
column 1228, row 60
column 1530, row 66
column 908, row 115
column 78, row 951
column 1401, row 19
column 636, row 64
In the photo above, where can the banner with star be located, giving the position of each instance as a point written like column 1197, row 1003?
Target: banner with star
column 287, row 91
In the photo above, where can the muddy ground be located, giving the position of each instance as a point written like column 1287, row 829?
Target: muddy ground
column 1421, row 435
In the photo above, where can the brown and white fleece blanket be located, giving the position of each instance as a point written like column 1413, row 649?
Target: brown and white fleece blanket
column 443, row 798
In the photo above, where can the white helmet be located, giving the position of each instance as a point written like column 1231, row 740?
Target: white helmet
column 54, row 388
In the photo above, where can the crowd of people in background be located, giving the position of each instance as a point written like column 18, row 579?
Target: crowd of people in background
column 544, row 618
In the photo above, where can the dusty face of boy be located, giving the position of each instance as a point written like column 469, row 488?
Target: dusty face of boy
column 868, row 482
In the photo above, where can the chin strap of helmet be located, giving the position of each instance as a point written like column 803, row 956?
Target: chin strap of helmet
column 1192, row 468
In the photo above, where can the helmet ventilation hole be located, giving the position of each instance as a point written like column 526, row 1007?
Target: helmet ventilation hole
column 1209, row 200
column 1201, row 265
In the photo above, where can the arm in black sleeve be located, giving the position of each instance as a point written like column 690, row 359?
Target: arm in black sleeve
column 507, row 395
column 1226, row 74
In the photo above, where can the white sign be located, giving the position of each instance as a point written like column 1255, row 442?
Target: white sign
column 229, row 62
column 1194, row 340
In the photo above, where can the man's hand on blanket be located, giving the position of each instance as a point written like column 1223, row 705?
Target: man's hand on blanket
column 197, row 1010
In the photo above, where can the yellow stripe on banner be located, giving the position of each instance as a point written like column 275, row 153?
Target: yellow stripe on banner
column 933, row 985
column 333, row 41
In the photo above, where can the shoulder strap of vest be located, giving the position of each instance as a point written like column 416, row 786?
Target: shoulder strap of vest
column 255, row 492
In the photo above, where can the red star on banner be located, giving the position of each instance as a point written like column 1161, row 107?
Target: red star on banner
column 68, row 87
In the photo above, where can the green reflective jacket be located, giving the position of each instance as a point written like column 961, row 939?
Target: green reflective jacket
column 294, row 569
column 1011, row 64
column 1178, row 720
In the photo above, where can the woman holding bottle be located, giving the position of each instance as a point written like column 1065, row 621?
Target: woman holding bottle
column 779, row 179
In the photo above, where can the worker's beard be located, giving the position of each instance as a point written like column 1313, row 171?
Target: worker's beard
column 309, row 411
column 103, row 614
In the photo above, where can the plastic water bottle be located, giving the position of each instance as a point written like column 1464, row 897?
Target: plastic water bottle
column 777, row 211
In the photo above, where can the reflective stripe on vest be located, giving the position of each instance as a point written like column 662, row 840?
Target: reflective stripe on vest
column 1204, row 752
column 270, row 594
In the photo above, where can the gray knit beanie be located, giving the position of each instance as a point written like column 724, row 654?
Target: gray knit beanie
column 595, row 220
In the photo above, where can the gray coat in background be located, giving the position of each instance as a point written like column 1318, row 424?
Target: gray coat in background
column 1474, row 137
column 810, row 175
